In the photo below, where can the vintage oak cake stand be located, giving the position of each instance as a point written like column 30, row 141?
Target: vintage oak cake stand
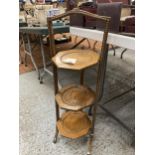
column 75, row 123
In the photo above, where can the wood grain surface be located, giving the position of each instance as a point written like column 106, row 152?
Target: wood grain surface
column 74, row 124
column 75, row 97
column 84, row 58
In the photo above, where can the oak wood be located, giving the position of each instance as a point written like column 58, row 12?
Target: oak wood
column 75, row 97
column 82, row 12
column 74, row 124
column 85, row 58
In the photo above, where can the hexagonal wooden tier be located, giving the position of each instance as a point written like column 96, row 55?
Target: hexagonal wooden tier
column 74, row 124
column 75, row 97
column 84, row 59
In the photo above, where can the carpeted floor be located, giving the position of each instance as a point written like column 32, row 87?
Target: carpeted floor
column 37, row 113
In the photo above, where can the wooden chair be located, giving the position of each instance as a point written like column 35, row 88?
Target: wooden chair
column 74, row 98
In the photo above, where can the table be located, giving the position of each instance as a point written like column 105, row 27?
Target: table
column 120, row 40
column 41, row 32
column 114, row 39
column 21, row 24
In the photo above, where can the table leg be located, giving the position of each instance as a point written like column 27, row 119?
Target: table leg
column 113, row 50
column 76, row 44
column 94, row 45
column 44, row 61
column 25, row 57
column 20, row 56
column 45, row 69
column 29, row 52
column 123, row 52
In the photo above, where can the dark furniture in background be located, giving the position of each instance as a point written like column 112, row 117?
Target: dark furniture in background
column 129, row 25
column 82, row 21
column 112, row 10
column 71, row 4
column 124, row 2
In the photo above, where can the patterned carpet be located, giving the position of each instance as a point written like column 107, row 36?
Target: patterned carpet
column 37, row 113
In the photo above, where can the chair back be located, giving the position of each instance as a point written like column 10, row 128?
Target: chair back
column 112, row 10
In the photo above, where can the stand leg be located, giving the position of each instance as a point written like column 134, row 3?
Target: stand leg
column 90, row 144
column 92, row 130
column 57, row 118
column 82, row 77
column 94, row 118
column 90, row 111
column 56, row 135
